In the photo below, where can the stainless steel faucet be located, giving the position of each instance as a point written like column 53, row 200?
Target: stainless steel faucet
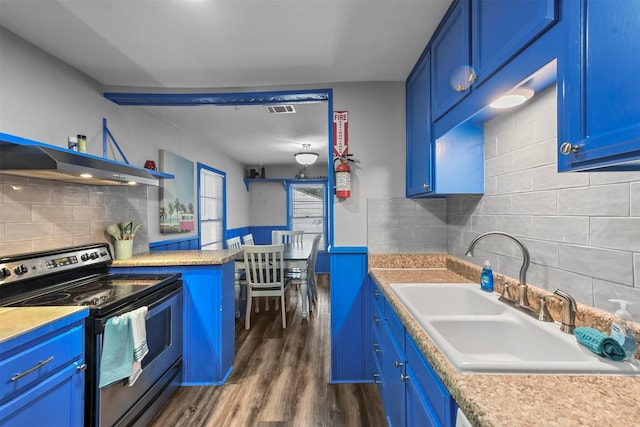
column 526, row 260
column 568, row 311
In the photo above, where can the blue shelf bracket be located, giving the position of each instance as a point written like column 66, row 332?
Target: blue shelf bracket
column 106, row 135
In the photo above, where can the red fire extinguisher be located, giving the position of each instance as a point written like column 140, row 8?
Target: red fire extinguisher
column 343, row 179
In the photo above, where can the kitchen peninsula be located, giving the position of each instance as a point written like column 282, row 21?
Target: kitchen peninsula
column 209, row 307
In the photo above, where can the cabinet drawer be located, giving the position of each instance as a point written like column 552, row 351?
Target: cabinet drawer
column 440, row 399
column 40, row 361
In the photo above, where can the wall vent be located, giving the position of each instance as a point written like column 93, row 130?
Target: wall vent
column 280, row 109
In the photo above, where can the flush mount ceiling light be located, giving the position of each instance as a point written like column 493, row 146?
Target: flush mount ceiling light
column 306, row 157
column 513, row 98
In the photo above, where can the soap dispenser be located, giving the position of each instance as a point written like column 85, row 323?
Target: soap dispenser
column 486, row 277
column 621, row 332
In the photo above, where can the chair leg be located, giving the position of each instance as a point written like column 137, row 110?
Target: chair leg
column 257, row 305
column 284, row 312
column 266, row 304
column 277, row 303
column 247, row 315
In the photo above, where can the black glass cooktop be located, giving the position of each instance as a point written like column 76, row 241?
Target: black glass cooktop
column 100, row 291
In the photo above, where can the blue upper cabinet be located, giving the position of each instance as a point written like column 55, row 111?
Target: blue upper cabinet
column 477, row 38
column 451, row 59
column 599, row 110
column 451, row 164
column 502, row 28
column 419, row 129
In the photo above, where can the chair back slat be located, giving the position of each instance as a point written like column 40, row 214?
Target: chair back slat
column 287, row 236
column 247, row 239
column 234, row 243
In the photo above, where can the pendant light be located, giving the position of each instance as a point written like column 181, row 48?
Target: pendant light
column 306, row 157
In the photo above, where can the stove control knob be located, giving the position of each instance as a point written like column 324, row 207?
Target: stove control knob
column 4, row 272
column 84, row 257
column 21, row 269
column 94, row 255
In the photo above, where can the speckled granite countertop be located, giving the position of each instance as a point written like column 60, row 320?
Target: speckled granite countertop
column 492, row 400
column 160, row 258
column 15, row 321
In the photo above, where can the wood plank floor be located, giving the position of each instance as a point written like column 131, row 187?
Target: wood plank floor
column 279, row 379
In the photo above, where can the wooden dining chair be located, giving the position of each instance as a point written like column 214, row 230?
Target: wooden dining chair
column 287, row 237
column 312, row 286
column 234, row 243
column 265, row 276
column 247, row 239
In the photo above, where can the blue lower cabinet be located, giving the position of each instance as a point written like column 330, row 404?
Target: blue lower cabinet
column 53, row 392
column 411, row 392
column 208, row 320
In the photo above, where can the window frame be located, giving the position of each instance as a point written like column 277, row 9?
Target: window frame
column 290, row 186
column 223, row 221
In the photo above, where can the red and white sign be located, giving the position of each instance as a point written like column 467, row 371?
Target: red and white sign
column 340, row 133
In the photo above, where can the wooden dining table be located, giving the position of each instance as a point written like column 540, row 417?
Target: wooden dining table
column 295, row 256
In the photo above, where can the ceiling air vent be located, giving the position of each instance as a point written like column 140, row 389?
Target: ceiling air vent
column 280, row 109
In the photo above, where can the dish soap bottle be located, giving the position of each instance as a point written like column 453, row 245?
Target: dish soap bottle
column 486, row 277
column 620, row 330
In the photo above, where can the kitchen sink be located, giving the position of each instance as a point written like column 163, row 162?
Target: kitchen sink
column 436, row 299
column 478, row 333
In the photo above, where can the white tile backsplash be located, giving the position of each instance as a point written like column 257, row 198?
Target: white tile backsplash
column 41, row 214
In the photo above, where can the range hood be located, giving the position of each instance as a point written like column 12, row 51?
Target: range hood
column 32, row 159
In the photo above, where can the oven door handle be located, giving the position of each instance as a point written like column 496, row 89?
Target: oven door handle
column 151, row 301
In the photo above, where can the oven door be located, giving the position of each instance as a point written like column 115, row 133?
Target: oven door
column 121, row 404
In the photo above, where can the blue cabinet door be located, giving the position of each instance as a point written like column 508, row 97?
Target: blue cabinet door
column 419, row 411
column 502, row 28
column 394, row 389
column 599, row 106
column 57, row 401
column 419, row 128
column 451, row 60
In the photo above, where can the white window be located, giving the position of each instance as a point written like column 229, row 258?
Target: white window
column 307, row 209
column 211, row 208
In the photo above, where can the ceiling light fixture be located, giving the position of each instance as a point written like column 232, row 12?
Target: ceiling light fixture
column 306, row 157
column 513, row 98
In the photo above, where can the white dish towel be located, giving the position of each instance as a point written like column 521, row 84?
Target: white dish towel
column 139, row 336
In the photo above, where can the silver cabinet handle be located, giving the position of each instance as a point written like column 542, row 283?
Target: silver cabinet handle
column 425, row 186
column 376, row 348
column 376, row 378
column 40, row 364
column 376, row 318
column 397, row 364
column 404, row 377
column 568, row 148
column 81, row 368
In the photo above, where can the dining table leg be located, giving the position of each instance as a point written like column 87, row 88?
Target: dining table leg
column 237, row 291
column 304, row 293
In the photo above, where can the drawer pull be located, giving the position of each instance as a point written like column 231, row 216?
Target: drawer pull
column 40, row 364
column 376, row 318
column 376, row 378
column 376, row 348
column 404, row 377
column 82, row 367
column 397, row 364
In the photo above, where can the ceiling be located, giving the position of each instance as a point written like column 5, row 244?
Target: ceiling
column 182, row 45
